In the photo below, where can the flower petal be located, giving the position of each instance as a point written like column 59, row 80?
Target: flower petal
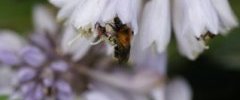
column 150, row 60
column 110, row 11
column 226, row 15
column 9, row 58
column 155, row 25
column 33, row 56
column 95, row 95
column 60, row 66
column 38, row 93
column 86, row 15
column 124, row 10
column 141, row 82
column 6, row 83
column 187, row 42
column 59, row 3
column 9, row 40
column 26, row 74
column 27, row 88
column 42, row 41
column 78, row 48
column 178, row 89
column 63, row 87
column 159, row 93
column 67, row 10
column 44, row 20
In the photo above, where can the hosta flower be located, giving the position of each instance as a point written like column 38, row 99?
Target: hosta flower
column 84, row 15
column 155, row 26
column 197, row 21
column 194, row 22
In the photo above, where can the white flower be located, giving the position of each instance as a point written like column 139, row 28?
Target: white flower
column 84, row 14
column 79, row 48
column 155, row 25
column 178, row 89
column 196, row 20
column 87, row 12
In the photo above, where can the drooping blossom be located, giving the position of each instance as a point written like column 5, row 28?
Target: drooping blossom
column 194, row 22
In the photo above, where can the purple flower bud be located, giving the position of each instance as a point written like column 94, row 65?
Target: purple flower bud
column 8, row 57
column 63, row 87
column 29, row 97
column 61, row 96
column 41, row 40
column 60, row 66
column 38, row 94
column 33, row 56
column 27, row 88
column 48, row 82
column 26, row 74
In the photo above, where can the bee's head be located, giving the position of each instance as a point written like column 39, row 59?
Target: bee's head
column 118, row 23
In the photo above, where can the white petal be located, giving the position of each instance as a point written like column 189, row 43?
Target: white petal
column 141, row 82
column 10, row 40
column 68, row 34
column 149, row 59
column 178, row 89
column 110, row 49
column 226, row 15
column 212, row 20
column 44, row 20
column 78, row 48
column 96, row 95
column 188, row 44
column 159, row 93
column 136, row 11
column 110, row 11
column 89, row 13
column 109, row 92
column 59, row 3
column 68, row 9
column 81, row 48
column 155, row 25
column 124, row 10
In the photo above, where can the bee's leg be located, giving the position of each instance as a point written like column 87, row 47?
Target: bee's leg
column 97, row 40
column 116, row 52
column 112, row 26
column 97, row 25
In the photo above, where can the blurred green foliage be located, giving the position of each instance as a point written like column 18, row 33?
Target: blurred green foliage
column 16, row 14
column 3, row 98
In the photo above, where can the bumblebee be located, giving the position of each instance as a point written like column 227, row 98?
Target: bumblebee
column 123, row 35
column 120, row 38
